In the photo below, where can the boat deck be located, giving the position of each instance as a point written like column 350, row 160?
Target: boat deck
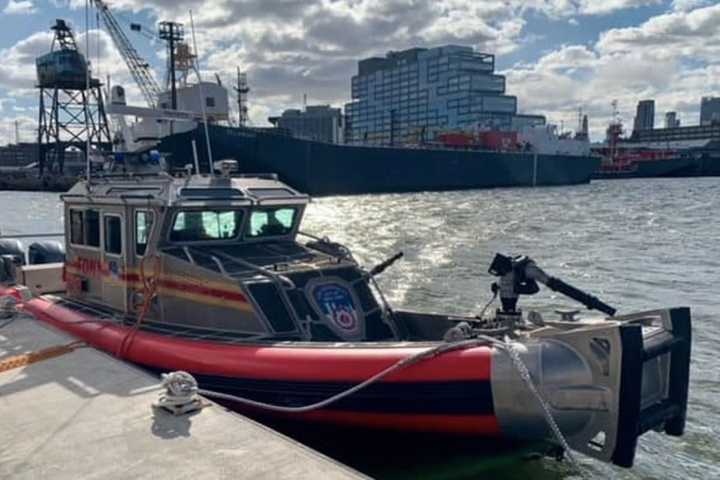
column 84, row 414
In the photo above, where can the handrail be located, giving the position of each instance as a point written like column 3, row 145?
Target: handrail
column 219, row 264
column 186, row 249
column 32, row 235
column 263, row 271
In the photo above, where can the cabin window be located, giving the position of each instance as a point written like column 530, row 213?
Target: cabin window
column 271, row 222
column 209, row 101
column 113, row 234
column 143, row 226
column 85, row 228
column 92, row 228
column 206, row 225
column 77, row 237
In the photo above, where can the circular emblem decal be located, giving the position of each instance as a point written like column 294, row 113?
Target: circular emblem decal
column 338, row 307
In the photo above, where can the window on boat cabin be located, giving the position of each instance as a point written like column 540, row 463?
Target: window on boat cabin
column 206, row 225
column 77, row 237
column 271, row 222
column 92, row 228
column 143, row 227
column 113, row 234
column 85, row 227
column 209, row 101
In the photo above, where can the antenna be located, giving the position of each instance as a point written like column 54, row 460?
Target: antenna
column 87, row 90
column 202, row 97
column 242, row 90
column 580, row 116
column 614, row 104
column 172, row 32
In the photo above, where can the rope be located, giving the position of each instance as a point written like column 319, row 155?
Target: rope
column 480, row 340
column 25, row 359
column 150, row 286
column 527, row 378
column 401, row 364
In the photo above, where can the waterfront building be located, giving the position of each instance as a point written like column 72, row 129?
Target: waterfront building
column 710, row 111
column 18, row 154
column 671, row 120
column 25, row 154
column 318, row 122
column 410, row 96
column 679, row 137
column 645, row 116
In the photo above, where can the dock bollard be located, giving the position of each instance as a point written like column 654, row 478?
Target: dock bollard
column 180, row 395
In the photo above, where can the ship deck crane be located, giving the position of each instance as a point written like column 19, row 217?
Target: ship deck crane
column 139, row 68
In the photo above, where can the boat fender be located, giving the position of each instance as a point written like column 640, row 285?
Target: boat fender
column 46, row 252
column 8, row 264
column 14, row 248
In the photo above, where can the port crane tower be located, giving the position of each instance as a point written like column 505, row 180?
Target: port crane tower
column 139, row 68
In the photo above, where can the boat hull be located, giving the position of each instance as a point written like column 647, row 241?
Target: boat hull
column 670, row 167
column 605, row 380
column 451, row 394
column 319, row 168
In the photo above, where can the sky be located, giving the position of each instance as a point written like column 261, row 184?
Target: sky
column 558, row 55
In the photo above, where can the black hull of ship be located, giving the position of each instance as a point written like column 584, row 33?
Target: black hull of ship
column 327, row 169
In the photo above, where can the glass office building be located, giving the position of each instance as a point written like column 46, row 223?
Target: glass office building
column 410, row 96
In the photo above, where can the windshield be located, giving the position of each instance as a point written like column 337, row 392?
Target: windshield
column 206, row 225
column 271, row 222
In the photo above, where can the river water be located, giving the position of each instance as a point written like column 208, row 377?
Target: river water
column 636, row 244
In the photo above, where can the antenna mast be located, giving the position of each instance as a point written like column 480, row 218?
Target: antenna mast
column 172, row 33
column 202, row 97
column 242, row 91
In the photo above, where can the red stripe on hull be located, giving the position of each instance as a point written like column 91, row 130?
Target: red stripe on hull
column 165, row 282
column 202, row 290
column 291, row 363
column 265, row 362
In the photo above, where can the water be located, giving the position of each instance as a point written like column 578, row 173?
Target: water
column 637, row 244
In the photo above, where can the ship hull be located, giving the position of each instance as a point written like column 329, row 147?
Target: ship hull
column 327, row 169
column 671, row 167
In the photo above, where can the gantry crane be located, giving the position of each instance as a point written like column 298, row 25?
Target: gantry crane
column 139, row 68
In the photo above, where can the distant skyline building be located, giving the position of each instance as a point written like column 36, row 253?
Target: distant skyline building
column 318, row 122
column 671, row 120
column 645, row 115
column 411, row 95
column 710, row 110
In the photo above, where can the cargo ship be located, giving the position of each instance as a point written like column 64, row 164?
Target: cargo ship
column 319, row 168
column 177, row 117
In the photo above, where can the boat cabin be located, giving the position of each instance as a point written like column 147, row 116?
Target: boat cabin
column 216, row 256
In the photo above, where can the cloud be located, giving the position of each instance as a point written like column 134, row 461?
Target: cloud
column 673, row 57
column 687, row 5
column 694, row 33
column 19, row 7
column 571, row 8
column 295, row 47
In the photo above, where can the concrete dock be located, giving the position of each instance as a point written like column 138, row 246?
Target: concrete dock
column 84, row 414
